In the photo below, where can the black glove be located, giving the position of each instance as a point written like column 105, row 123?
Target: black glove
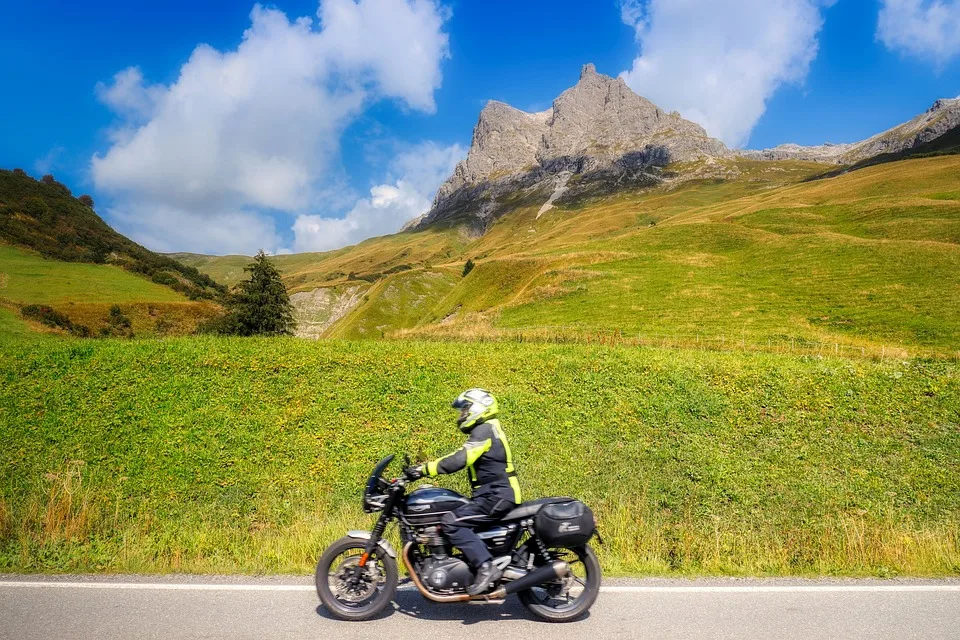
column 413, row 473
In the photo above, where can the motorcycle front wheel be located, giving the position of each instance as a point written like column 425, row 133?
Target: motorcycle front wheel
column 349, row 591
column 567, row 598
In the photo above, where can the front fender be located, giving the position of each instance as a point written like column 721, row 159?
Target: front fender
column 384, row 544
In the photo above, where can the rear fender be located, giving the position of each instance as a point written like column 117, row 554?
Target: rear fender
column 384, row 544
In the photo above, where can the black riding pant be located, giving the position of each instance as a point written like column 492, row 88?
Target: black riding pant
column 460, row 525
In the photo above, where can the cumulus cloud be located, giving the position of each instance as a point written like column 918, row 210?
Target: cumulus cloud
column 415, row 176
column 252, row 131
column 128, row 96
column 928, row 29
column 223, row 231
column 717, row 62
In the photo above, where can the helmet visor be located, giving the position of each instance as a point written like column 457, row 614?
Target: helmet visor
column 464, row 411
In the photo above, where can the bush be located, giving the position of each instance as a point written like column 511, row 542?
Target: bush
column 468, row 267
column 48, row 179
column 50, row 317
column 118, row 325
column 47, row 316
column 163, row 326
column 86, row 200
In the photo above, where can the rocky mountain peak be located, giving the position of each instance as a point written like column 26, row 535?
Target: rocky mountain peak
column 944, row 103
column 598, row 128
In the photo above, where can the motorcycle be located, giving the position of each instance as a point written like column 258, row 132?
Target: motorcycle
column 541, row 546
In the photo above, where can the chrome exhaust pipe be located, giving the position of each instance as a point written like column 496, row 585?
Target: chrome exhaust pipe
column 549, row 572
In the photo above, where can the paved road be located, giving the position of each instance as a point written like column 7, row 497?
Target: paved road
column 203, row 607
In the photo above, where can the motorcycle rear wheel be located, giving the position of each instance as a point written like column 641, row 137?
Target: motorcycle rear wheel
column 351, row 592
column 581, row 586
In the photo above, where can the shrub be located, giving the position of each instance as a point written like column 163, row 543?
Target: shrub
column 468, row 267
column 163, row 326
column 47, row 316
column 52, row 318
column 36, row 208
column 118, row 324
column 48, row 179
column 86, row 200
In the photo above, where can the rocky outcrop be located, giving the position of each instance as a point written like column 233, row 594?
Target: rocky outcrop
column 598, row 129
column 316, row 311
column 821, row 153
column 943, row 116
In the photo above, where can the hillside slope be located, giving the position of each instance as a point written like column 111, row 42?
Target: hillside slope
column 866, row 259
column 44, row 216
column 249, row 455
column 56, row 252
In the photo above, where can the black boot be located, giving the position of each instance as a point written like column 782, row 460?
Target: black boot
column 487, row 576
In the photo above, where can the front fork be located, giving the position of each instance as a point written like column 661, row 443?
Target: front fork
column 374, row 540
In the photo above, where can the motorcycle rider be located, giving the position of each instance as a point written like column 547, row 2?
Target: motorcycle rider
column 486, row 455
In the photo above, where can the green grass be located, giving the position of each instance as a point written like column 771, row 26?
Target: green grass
column 12, row 326
column 85, row 293
column 43, row 216
column 33, row 279
column 397, row 302
column 233, row 455
column 866, row 260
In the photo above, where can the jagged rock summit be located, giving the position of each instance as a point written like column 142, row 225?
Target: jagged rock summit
column 599, row 129
column 599, row 136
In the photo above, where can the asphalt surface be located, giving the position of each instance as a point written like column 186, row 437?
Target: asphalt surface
column 242, row 607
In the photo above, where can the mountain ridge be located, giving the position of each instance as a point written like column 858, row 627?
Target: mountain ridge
column 598, row 128
column 599, row 136
column 940, row 118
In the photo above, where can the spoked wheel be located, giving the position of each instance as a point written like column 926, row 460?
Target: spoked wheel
column 569, row 597
column 349, row 591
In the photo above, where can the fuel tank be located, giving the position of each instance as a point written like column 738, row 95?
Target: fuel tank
column 426, row 505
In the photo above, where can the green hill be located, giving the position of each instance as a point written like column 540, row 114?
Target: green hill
column 43, row 215
column 62, row 268
column 863, row 261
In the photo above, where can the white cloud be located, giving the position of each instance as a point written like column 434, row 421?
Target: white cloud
column 421, row 170
column 168, row 229
column 928, row 29
column 128, row 96
column 717, row 62
column 257, row 129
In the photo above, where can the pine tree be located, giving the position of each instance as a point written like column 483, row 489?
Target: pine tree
column 261, row 305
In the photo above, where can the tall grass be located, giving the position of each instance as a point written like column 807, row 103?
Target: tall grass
column 232, row 455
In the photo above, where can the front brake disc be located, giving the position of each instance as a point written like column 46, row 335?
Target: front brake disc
column 353, row 583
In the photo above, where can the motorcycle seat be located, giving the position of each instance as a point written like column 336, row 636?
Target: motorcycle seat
column 530, row 508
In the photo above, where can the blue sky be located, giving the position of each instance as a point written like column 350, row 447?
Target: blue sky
column 192, row 135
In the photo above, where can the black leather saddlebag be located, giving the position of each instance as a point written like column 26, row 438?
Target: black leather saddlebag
column 565, row 524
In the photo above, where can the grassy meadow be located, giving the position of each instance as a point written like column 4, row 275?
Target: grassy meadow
column 85, row 292
column 249, row 455
column 861, row 262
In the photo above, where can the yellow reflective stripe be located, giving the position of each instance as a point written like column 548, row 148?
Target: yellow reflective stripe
column 516, row 489
column 431, row 467
column 506, row 445
column 475, row 451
